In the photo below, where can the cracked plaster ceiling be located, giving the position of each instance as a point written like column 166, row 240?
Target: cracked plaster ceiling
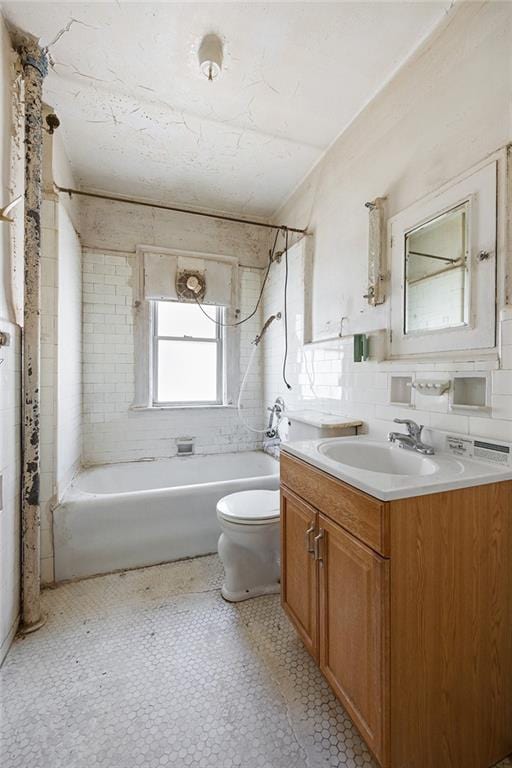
column 138, row 119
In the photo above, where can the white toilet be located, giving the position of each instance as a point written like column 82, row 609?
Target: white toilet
column 249, row 544
column 249, row 520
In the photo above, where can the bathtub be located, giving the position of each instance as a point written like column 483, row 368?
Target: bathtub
column 130, row 515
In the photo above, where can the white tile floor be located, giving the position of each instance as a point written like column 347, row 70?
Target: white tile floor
column 152, row 668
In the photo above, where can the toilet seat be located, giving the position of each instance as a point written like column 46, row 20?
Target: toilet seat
column 250, row 507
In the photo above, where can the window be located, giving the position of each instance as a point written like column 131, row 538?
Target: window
column 187, row 354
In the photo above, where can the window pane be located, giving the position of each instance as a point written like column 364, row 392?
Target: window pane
column 187, row 371
column 178, row 319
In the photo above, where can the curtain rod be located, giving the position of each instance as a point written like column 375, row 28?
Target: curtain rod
column 175, row 209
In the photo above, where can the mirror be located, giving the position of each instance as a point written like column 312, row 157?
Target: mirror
column 436, row 291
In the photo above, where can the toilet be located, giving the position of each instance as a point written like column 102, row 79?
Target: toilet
column 249, row 545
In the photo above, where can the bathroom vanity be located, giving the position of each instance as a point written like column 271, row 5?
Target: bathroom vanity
column 403, row 596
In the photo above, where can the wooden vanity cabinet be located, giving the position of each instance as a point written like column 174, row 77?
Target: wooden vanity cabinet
column 407, row 608
column 335, row 589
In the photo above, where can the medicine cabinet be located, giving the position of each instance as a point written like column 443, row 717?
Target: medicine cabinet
column 443, row 269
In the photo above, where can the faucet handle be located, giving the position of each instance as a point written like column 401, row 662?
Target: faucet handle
column 413, row 429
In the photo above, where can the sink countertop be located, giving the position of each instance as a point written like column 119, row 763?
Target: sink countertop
column 452, row 472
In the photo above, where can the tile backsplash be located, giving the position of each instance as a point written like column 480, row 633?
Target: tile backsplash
column 325, row 377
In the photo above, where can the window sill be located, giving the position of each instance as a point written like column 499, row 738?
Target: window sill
column 181, row 407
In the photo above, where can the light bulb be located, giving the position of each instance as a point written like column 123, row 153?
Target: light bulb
column 210, row 56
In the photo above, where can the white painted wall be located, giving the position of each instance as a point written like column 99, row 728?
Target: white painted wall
column 10, row 362
column 61, row 319
column 69, row 377
column 122, row 227
column 443, row 113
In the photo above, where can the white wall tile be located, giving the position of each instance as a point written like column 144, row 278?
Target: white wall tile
column 506, row 357
column 362, row 389
column 502, row 382
column 112, row 432
column 506, row 332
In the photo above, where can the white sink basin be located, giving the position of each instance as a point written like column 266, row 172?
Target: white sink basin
column 388, row 472
column 377, row 457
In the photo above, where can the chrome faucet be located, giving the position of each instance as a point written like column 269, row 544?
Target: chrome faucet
column 412, row 440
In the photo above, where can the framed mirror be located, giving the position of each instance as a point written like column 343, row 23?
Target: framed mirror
column 443, row 269
column 436, row 277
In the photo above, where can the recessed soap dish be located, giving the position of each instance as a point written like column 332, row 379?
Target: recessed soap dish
column 401, row 390
column 470, row 393
column 185, row 446
column 431, row 387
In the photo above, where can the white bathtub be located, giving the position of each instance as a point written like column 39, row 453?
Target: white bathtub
column 142, row 513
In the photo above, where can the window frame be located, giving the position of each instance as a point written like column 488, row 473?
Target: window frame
column 218, row 340
column 143, row 331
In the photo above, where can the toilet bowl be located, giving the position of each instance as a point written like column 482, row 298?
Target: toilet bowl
column 249, row 520
column 249, row 544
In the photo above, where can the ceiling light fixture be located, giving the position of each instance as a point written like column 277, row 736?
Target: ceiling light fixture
column 210, row 56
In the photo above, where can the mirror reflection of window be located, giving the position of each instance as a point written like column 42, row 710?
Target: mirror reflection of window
column 436, row 274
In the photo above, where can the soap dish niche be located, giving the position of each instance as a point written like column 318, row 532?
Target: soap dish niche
column 470, row 393
column 401, row 390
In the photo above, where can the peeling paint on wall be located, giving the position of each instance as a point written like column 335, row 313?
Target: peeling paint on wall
column 35, row 67
column 117, row 227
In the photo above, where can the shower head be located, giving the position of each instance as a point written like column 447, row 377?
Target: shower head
column 268, row 323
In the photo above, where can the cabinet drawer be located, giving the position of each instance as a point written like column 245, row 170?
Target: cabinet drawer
column 364, row 516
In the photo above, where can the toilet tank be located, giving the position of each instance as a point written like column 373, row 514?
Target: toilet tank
column 315, row 425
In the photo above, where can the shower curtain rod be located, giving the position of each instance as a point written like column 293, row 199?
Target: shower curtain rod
column 161, row 206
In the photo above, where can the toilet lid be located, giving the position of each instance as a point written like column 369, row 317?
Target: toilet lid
column 250, row 507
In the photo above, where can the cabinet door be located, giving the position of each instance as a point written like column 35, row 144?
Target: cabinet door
column 299, row 573
column 354, row 611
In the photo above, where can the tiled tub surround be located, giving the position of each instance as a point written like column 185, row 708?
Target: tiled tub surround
column 112, row 431
column 148, row 512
